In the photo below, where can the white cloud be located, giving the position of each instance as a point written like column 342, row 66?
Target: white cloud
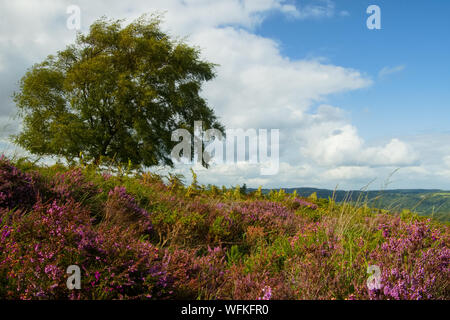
column 330, row 140
column 390, row 70
column 257, row 86
column 290, row 10
column 395, row 153
column 349, row 173
column 317, row 9
column 447, row 161
column 330, row 144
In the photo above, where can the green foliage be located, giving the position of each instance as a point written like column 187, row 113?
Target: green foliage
column 277, row 195
column 258, row 193
column 115, row 95
column 194, row 188
column 175, row 182
column 237, row 192
column 219, row 228
column 234, row 256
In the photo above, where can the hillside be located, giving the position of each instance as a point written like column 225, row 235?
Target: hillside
column 139, row 236
column 426, row 202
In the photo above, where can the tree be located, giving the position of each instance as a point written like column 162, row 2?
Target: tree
column 117, row 93
column 244, row 189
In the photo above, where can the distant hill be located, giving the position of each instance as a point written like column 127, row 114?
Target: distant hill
column 425, row 202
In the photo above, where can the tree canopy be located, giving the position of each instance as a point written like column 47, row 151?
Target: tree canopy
column 117, row 92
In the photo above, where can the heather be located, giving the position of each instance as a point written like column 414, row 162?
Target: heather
column 139, row 235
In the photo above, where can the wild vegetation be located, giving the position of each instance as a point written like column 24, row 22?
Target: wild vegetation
column 137, row 235
column 426, row 202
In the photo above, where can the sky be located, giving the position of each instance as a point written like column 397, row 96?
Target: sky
column 352, row 104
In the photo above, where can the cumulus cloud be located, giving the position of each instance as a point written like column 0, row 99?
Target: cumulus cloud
column 329, row 139
column 257, row 86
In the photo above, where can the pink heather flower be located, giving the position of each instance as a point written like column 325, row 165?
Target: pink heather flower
column 267, row 293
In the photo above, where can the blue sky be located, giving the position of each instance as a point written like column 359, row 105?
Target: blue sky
column 415, row 37
column 352, row 104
